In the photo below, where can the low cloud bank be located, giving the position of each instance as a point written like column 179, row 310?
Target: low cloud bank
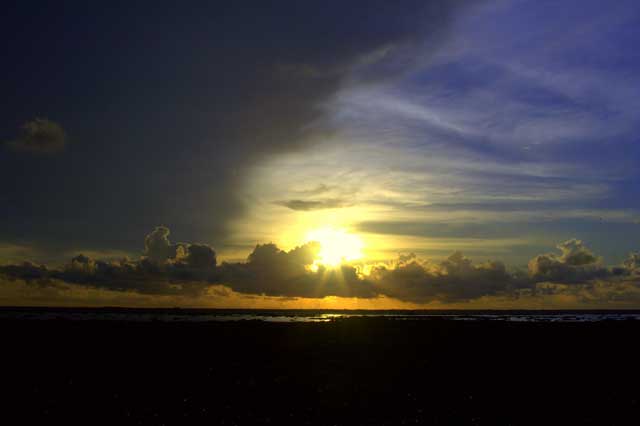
column 191, row 270
column 575, row 271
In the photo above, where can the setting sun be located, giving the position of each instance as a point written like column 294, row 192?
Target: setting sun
column 337, row 246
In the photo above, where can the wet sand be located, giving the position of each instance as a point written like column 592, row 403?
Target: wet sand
column 358, row 371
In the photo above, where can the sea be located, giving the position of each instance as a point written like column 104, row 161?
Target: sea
column 297, row 316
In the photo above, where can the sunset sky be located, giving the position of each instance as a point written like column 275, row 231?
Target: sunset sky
column 406, row 154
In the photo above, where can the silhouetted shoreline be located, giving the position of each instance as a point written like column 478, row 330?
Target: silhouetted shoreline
column 350, row 371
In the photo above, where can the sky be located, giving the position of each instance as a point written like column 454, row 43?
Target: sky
column 409, row 154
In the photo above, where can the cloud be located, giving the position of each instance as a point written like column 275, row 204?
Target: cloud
column 303, row 205
column 632, row 263
column 273, row 272
column 320, row 189
column 27, row 271
column 40, row 136
column 576, row 271
column 158, row 248
column 165, row 269
column 200, row 256
column 15, row 253
column 600, row 293
column 190, row 270
column 575, row 264
column 454, row 279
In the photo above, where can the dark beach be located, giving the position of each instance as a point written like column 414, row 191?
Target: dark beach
column 357, row 371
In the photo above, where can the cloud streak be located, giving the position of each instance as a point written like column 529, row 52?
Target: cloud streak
column 310, row 205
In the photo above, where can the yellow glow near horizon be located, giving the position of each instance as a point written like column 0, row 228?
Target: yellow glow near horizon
column 336, row 246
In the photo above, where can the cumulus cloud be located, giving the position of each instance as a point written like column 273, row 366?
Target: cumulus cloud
column 164, row 269
column 40, row 136
column 191, row 270
column 27, row 271
column 274, row 272
column 575, row 264
column 575, row 272
column 158, row 248
column 454, row 279
column 200, row 256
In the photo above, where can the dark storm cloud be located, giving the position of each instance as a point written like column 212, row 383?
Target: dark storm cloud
column 310, row 205
column 190, row 270
column 185, row 104
column 39, row 136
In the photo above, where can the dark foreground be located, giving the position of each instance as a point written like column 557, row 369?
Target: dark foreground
column 349, row 372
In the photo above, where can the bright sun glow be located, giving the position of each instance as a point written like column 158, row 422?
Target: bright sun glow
column 337, row 246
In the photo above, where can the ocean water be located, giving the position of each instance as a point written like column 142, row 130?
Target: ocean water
column 293, row 316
